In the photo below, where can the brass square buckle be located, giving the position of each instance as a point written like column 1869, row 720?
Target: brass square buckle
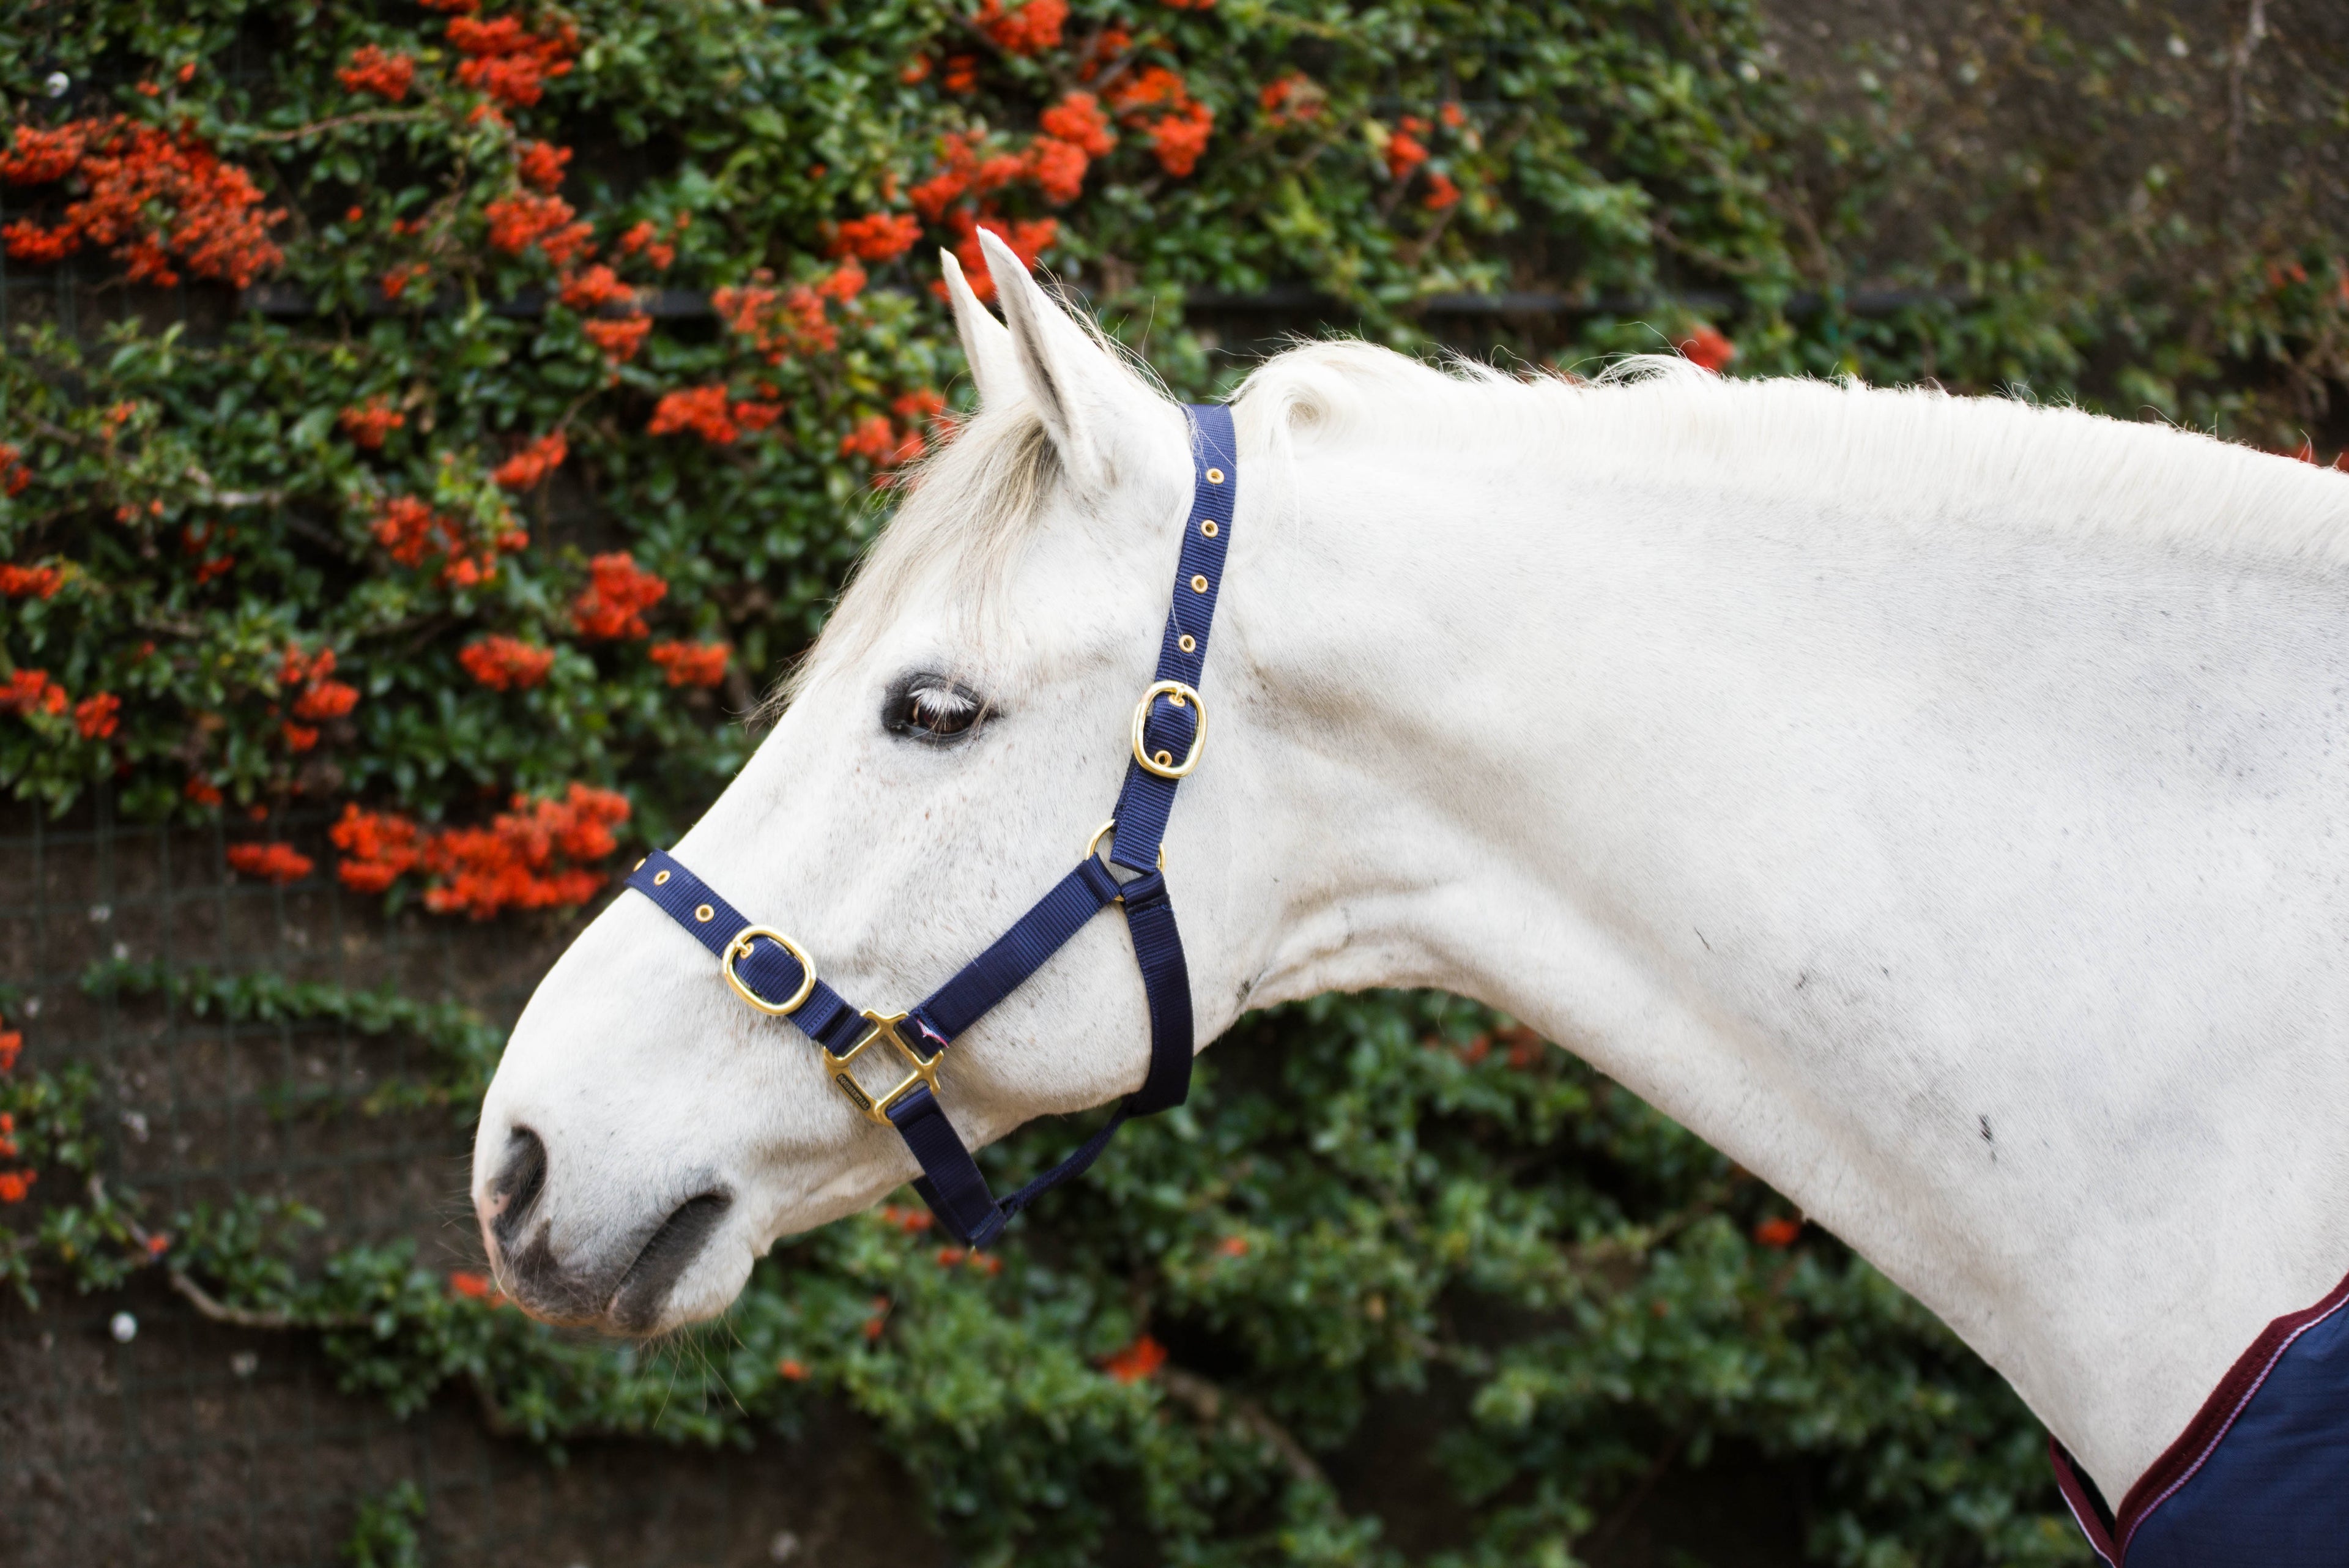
column 884, row 1027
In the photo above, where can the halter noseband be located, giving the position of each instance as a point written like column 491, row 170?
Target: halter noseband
column 774, row 974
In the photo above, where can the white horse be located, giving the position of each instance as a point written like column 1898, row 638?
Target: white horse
column 1935, row 803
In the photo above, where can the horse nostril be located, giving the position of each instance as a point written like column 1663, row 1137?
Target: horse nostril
column 635, row 1305
column 516, row 1187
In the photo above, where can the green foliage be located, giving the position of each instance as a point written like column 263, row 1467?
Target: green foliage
column 465, row 1045
column 47, row 1132
column 1365, row 1198
column 385, row 1535
column 1369, row 1200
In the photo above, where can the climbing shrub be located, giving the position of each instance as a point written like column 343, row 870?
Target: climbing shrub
column 568, row 355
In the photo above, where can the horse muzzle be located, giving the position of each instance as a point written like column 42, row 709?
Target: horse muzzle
column 622, row 1278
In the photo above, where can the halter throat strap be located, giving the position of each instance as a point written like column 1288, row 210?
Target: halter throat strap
column 773, row 974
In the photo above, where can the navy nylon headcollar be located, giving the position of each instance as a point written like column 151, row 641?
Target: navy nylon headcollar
column 773, row 974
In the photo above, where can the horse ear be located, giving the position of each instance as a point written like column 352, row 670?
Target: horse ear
column 1088, row 399
column 994, row 363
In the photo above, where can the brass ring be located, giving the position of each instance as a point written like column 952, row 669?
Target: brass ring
column 742, row 945
column 1093, row 845
column 1176, row 693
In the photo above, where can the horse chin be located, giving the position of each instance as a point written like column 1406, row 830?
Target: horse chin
column 702, row 1293
column 636, row 1308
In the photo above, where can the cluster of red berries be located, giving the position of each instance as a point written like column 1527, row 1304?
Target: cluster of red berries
column 540, row 218
column 368, row 423
column 1708, row 349
column 712, row 413
column 527, row 218
column 644, row 238
column 372, row 70
column 1526, row 1048
column 532, row 857
column 1293, row 99
column 274, row 863
column 692, row 663
column 1031, row 29
column 315, row 698
column 1158, row 102
column 877, row 236
column 14, row 1184
column 884, row 445
column 30, row 582
column 780, row 322
column 506, row 663
column 152, row 198
column 613, row 604
column 30, row 692
column 379, row 847
column 533, row 463
column 509, row 62
column 962, row 173
column 1137, row 1361
column 413, row 534
column 541, row 163
column 528, row 858
column 1404, row 148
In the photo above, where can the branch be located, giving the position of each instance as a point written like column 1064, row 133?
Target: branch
column 1210, row 1403
column 1598, row 1540
column 493, row 1417
column 2239, row 66
column 171, row 625
column 208, row 496
column 1415, row 250
column 219, row 1311
column 366, row 117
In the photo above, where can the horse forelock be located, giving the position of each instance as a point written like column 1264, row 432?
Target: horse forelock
column 968, row 505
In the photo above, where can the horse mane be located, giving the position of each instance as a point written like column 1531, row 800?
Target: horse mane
column 1916, row 453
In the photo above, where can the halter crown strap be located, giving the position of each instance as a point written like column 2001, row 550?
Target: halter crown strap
column 770, row 972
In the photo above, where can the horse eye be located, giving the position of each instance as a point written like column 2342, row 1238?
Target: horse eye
column 931, row 708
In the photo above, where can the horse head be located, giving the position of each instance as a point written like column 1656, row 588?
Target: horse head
column 947, row 749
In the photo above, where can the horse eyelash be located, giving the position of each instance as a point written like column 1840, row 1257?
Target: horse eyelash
column 939, row 700
column 918, row 703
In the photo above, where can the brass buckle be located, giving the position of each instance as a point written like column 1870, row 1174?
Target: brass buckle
column 740, row 946
column 1176, row 693
column 884, row 1027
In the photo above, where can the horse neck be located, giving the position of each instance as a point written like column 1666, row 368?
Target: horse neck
column 1761, row 810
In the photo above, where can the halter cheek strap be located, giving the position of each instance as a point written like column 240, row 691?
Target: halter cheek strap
column 773, row 974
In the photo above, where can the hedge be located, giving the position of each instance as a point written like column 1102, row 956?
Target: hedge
column 568, row 355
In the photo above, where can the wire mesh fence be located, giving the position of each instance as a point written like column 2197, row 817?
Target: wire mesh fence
column 136, row 1431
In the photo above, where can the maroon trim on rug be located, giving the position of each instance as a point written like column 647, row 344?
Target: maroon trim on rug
column 2084, row 1512
column 2203, row 1434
